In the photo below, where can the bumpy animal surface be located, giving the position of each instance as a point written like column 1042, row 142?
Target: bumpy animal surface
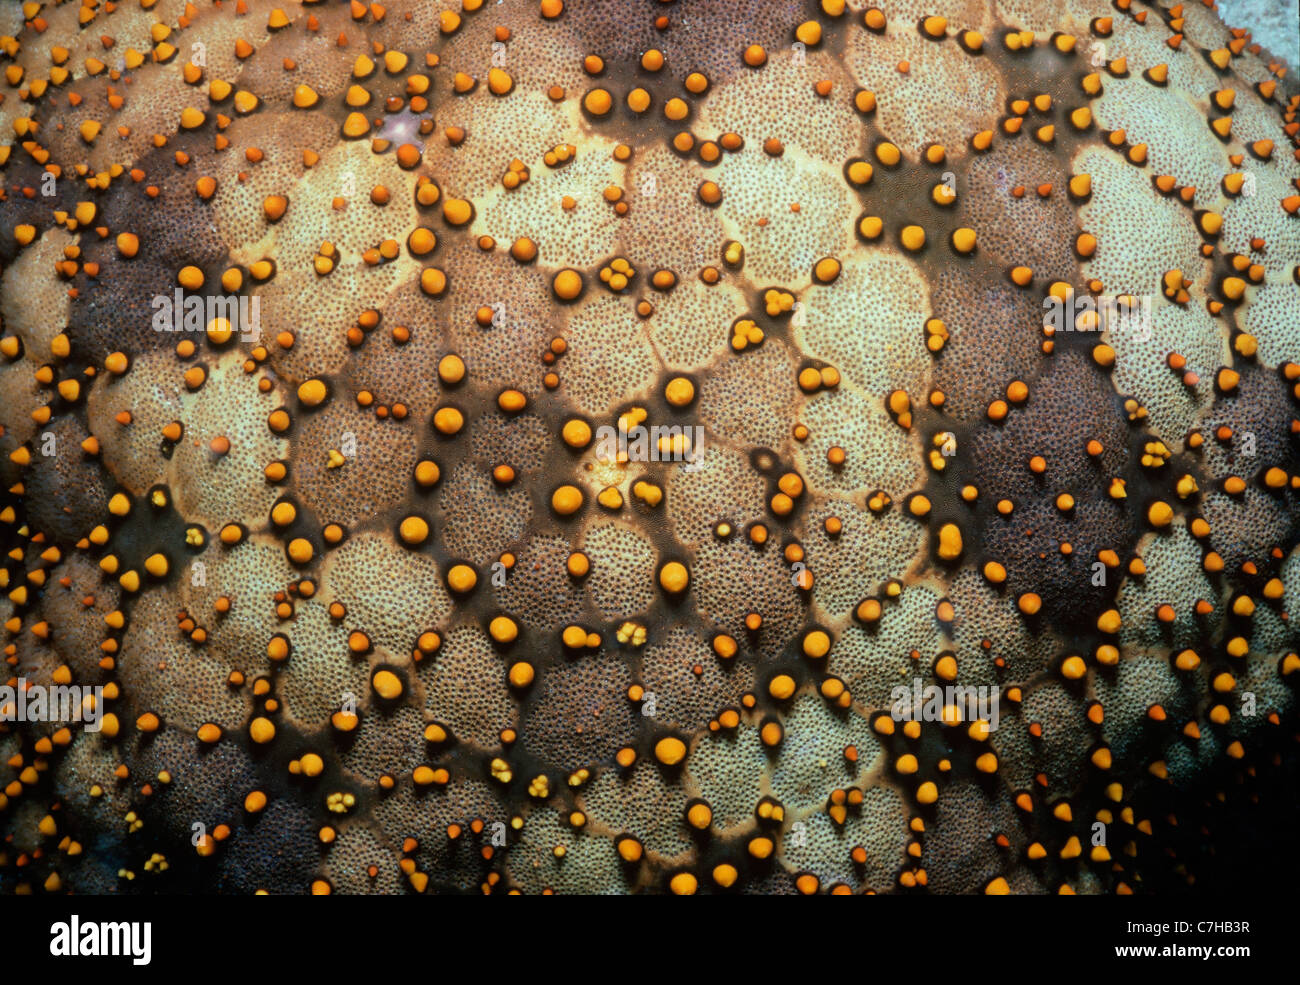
column 617, row 446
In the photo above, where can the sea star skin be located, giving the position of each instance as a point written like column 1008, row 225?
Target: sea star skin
column 374, row 605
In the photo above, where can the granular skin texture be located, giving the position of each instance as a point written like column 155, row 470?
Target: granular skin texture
column 375, row 609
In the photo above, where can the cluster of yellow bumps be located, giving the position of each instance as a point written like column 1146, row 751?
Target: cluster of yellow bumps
column 368, row 604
